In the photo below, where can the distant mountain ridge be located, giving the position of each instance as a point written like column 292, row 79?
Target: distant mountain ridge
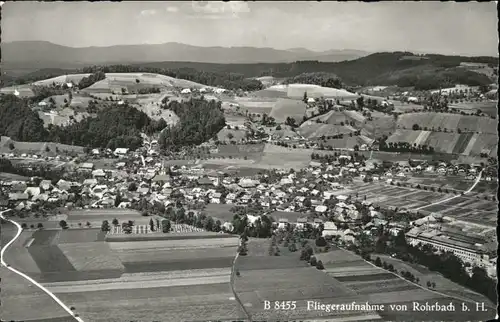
column 43, row 54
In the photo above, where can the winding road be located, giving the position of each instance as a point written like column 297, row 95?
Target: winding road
column 2, row 252
column 453, row 197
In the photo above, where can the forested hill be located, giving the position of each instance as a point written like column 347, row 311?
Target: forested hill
column 225, row 79
column 396, row 68
column 18, row 121
column 112, row 127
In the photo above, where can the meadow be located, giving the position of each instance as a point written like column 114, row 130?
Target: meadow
column 116, row 280
column 379, row 286
column 285, row 108
column 452, row 143
column 449, row 121
column 39, row 148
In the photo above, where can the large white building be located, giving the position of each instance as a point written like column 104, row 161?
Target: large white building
column 470, row 249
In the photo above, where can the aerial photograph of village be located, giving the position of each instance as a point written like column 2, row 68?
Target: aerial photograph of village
column 248, row 161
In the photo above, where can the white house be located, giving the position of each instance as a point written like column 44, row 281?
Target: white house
column 121, row 151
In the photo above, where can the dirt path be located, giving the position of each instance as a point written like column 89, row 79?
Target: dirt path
column 234, row 292
column 2, row 252
column 451, row 198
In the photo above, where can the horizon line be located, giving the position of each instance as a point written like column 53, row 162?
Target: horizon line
column 369, row 52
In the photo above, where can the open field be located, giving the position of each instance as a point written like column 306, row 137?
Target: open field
column 449, row 121
column 96, row 216
column 23, row 90
column 23, row 301
column 275, row 156
column 346, row 279
column 251, row 151
column 114, row 82
column 255, row 105
column 453, row 143
column 230, row 135
column 37, row 147
column 487, row 107
column 60, row 80
column 187, row 275
column 12, row 177
column 187, row 302
column 464, row 208
column 442, row 284
column 219, row 211
column 382, row 288
column 296, row 91
column 311, row 129
column 284, row 108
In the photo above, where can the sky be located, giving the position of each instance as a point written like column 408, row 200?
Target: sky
column 432, row 27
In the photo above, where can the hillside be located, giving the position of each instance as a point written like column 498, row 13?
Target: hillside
column 430, row 71
column 448, row 122
column 469, row 144
column 160, row 77
column 113, row 126
column 41, row 54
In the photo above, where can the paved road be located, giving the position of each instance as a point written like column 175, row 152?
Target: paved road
column 453, row 197
column 2, row 252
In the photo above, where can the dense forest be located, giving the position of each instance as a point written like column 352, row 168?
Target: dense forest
column 114, row 126
column 91, row 79
column 18, row 121
column 321, row 79
column 200, row 120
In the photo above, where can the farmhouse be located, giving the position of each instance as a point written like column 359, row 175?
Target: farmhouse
column 86, row 167
column 121, row 151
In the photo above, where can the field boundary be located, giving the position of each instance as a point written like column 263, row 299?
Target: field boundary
column 55, row 298
column 231, row 282
column 418, row 285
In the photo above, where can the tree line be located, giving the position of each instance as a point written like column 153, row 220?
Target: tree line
column 318, row 78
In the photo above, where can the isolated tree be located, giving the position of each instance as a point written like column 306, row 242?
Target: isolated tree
column 132, row 186
column 11, row 146
column 319, row 265
column 40, row 225
column 105, row 226
column 118, row 199
column 321, row 242
column 312, row 261
column 415, row 127
column 88, row 224
column 63, row 224
column 165, row 225
column 24, row 226
column 305, row 97
column 433, row 285
column 137, row 81
column 151, row 224
column 429, row 284
column 378, row 262
column 115, row 222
